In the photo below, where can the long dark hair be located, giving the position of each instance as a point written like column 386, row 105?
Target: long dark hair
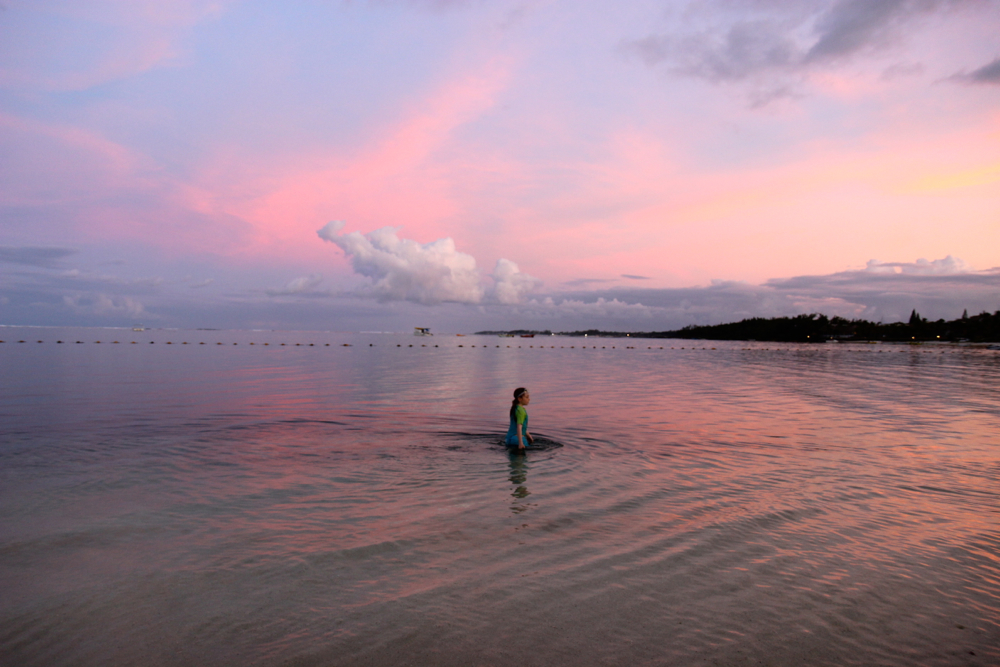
column 518, row 393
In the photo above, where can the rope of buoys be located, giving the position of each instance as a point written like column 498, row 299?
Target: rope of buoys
column 541, row 347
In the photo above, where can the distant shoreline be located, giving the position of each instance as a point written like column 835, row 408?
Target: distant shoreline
column 815, row 328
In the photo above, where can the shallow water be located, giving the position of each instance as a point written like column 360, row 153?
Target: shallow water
column 712, row 503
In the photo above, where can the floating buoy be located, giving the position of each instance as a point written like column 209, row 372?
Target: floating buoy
column 347, row 345
column 59, row 341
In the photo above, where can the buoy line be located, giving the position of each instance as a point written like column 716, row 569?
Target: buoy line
column 899, row 348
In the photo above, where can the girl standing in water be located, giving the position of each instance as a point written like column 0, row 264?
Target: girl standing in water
column 518, row 431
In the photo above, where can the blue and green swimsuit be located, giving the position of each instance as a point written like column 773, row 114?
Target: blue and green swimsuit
column 520, row 417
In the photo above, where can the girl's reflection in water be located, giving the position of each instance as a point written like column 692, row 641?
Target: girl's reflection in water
column 518, row 477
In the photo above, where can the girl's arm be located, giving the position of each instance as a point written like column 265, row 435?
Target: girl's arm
column 520, row 436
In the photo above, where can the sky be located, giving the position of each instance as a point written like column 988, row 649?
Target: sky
column 488, row 164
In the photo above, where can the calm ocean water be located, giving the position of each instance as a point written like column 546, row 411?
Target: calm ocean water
column 320, row 504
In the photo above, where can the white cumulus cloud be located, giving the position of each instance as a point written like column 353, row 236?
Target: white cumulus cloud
column 511, row 285
column 428, row 273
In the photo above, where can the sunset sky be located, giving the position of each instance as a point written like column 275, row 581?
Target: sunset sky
column 464, row 165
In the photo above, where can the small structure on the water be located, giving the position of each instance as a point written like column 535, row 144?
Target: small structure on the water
column 422, row 331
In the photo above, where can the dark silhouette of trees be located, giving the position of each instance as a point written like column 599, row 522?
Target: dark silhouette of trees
column 816, row 328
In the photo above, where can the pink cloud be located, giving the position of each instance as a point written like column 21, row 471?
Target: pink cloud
column 404, row 179
column 894, row 193
column 60, row 163
column 100, row 190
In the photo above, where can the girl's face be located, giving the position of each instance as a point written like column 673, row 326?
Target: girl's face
column 524, row 399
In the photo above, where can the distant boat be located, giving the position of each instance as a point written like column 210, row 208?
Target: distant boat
column 506, row 335
column 422, row 331
column 138, row 327
column 527, row 335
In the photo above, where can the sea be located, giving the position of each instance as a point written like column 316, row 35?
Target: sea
column 289, row 498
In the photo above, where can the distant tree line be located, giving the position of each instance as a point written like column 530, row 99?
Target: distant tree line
column 815, row 328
